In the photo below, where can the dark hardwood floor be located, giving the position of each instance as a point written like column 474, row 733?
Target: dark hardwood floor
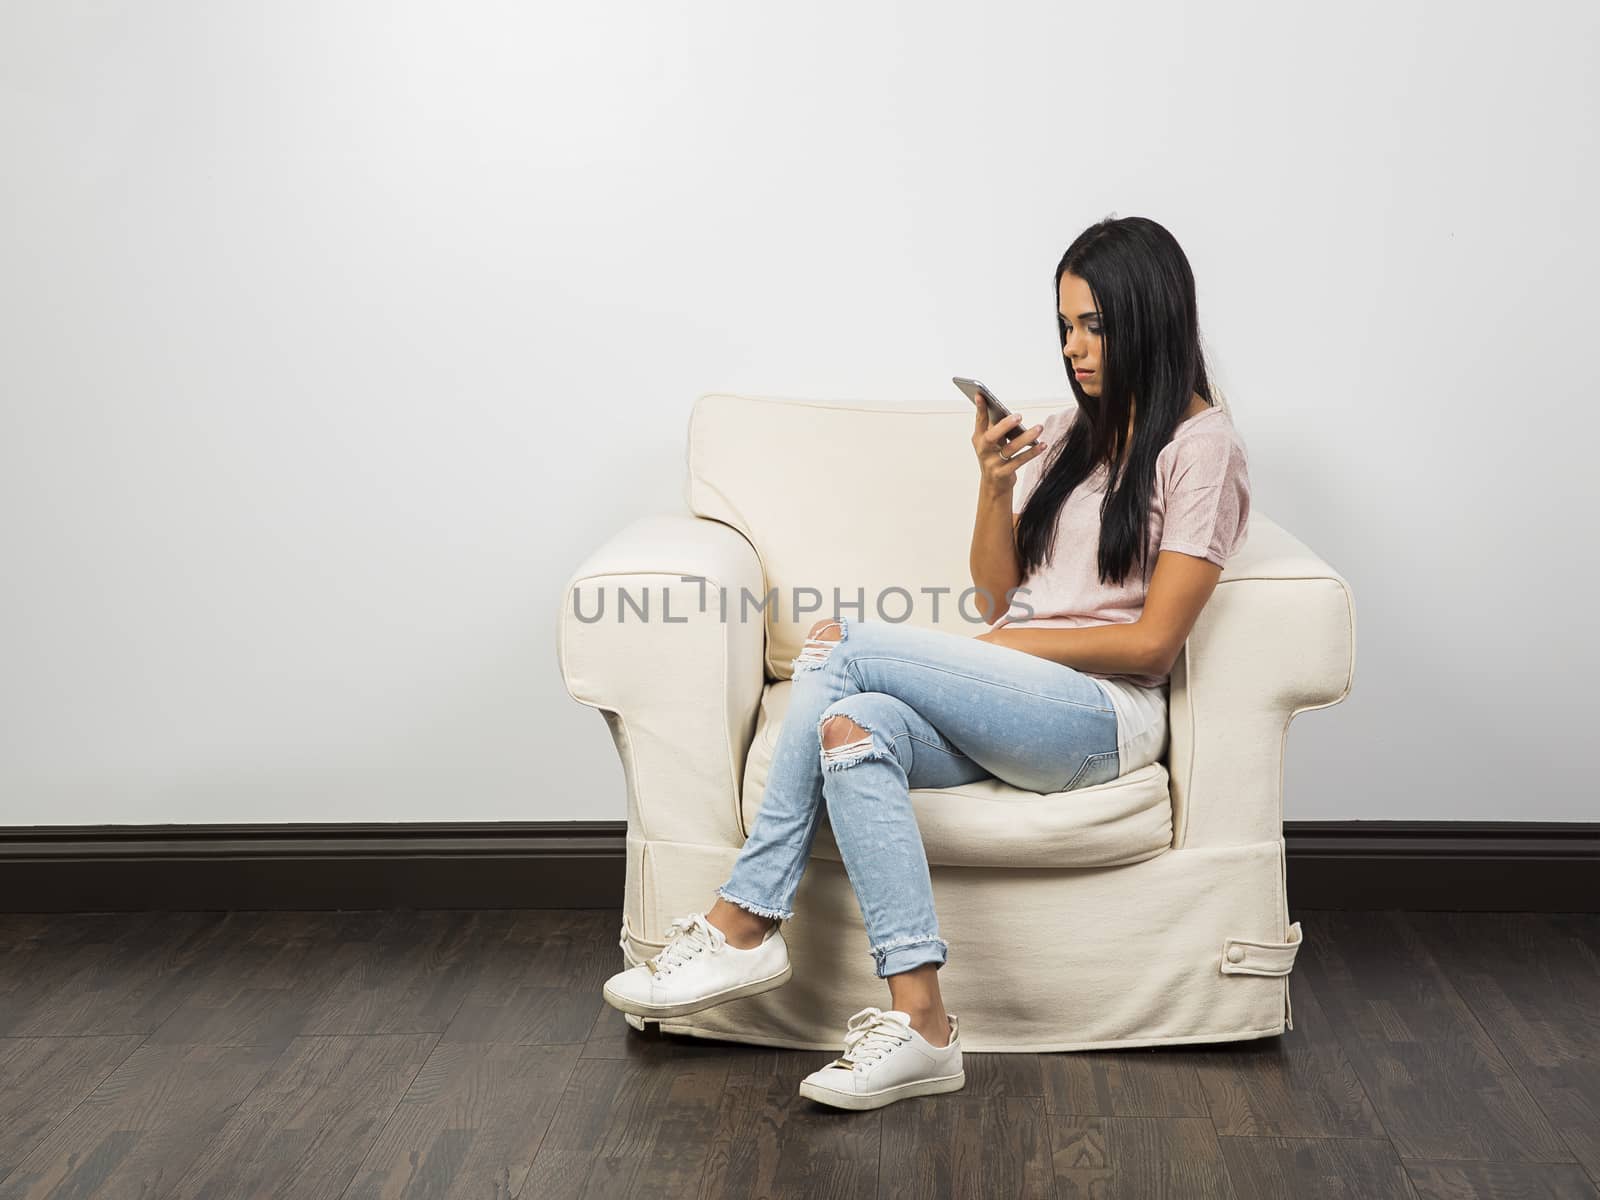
column 467, row 1053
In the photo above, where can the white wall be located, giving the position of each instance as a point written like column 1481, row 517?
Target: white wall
column 335, row 334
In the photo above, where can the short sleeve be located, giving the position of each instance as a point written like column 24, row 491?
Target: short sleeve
column 1208, row 499
column 1053, row 435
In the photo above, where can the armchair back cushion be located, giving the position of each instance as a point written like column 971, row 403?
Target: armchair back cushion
column 876, row 502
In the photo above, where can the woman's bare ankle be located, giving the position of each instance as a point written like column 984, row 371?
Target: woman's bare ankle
column 916, row 993
column 744, row 929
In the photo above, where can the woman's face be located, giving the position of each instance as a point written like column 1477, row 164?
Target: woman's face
column 1079, row 324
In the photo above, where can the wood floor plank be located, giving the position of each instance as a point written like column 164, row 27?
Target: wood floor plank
column 1501, row 1181
column 407, row 973
column 471, row 1054
column 959, row 1145
column 279, row 976
column 1436, row 1079
column 1297, row 1085
column 80, row 974
column 1080, row 1158
column 307, row 1124
column 44, row 1079
column 540, row 983
column 1125, row 1083
column 612, row 1037
column 768, row 1141
column 1271, row 1168
column 1533, row 981
column 141, row 1129
column 609, row 1027
column 629, row 1128
column 1136, row 1158
column 469, row 1125
column 265, row 983
column 1013, row 1076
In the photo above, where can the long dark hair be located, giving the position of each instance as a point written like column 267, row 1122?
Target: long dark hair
column 1150, row 349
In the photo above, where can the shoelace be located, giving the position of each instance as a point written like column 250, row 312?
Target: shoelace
column 687, row 938
column 870, row 1035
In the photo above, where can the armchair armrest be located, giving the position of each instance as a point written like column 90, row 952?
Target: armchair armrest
column 1277, row 638
column 678, row 685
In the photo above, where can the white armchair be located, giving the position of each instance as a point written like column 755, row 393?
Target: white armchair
column 1160, row 896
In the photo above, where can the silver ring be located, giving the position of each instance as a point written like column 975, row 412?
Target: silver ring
column 1003, row 457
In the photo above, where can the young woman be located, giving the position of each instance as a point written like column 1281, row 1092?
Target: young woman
column 1105, row 528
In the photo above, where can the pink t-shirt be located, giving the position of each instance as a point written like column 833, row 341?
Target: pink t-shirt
column 1200, row 505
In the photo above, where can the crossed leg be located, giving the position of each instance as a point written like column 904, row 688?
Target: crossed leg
column 914, row 992
column 743, row 927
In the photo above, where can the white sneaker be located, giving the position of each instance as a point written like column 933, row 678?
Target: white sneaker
column 886, row 1060
column 698, row 969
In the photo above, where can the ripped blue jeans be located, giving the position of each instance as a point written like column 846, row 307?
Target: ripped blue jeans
column 939, row 710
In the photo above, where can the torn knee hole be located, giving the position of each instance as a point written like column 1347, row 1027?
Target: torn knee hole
column 845, row 743
column 839, row 731
column 824, row 635
column 849, row 753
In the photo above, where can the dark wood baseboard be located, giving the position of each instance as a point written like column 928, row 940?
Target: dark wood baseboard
column 1451, row 866
column 1422, row 865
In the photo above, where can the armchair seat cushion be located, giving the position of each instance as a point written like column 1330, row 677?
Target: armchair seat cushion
column 990, row 823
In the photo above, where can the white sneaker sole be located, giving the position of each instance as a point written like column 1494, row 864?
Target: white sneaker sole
column 877, row 1099
column 685, row 1007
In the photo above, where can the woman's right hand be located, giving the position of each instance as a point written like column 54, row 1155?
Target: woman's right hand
column 999, row 466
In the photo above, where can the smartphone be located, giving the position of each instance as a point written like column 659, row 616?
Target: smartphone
column 998, row 412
